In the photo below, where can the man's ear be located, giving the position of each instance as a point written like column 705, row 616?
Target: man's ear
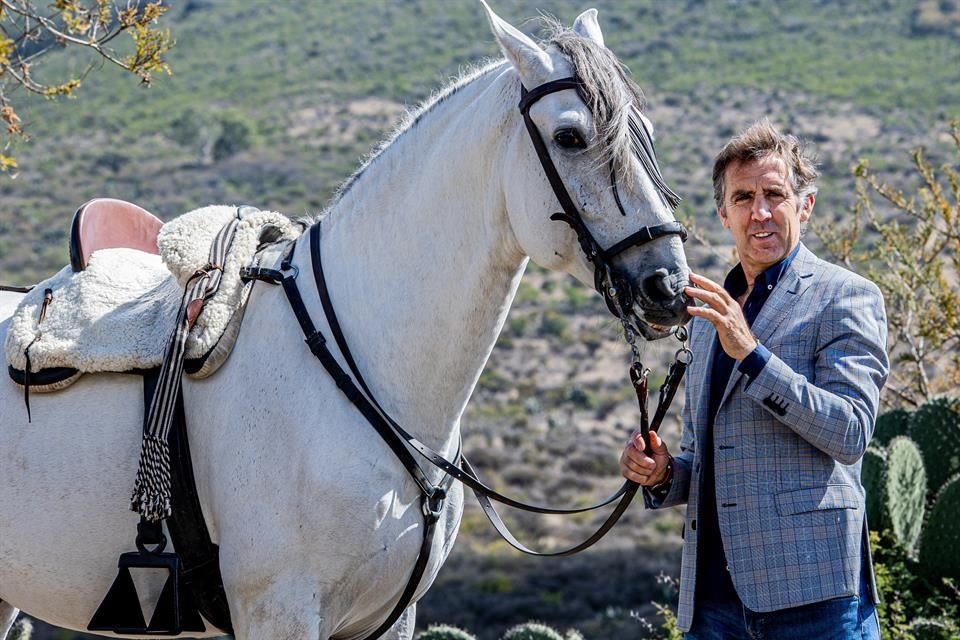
column 723, row 218
column 807, row 206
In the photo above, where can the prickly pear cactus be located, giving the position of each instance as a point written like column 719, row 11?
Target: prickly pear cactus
column 890, row 425
column 443, row 632
column 940, row 542
column 531, row 631
column 935, row 427
column 873, row 475
column 906, row 489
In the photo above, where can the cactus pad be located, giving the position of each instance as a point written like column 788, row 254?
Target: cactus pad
column 940, row 544
column 873, row 475
column 890, row 425
column 906, row 490
column 935, row 427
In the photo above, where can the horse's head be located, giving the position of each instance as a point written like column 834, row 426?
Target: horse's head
column 582, row 113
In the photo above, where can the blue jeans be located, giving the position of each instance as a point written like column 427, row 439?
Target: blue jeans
column 848, row 618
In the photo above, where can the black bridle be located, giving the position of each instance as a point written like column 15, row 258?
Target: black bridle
column 611, row 282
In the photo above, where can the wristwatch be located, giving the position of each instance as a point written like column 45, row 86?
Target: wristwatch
column 662, row 487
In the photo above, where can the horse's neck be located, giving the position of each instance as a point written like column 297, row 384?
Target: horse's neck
column 421, row 263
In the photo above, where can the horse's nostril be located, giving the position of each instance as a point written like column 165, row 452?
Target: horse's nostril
column 658, row 286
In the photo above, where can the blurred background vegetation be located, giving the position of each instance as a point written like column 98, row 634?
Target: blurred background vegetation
column 273, row 104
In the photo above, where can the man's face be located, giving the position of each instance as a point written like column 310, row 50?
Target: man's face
column 762, row 212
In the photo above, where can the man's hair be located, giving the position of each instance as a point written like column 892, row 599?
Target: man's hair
column 758, row 141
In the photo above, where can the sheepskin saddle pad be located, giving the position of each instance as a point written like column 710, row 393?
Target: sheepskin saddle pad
column 118, row 313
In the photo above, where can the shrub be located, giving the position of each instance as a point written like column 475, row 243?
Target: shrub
column 443, row 632
column 531, row 631
column 22, row 630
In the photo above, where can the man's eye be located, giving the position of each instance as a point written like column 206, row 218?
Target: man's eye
column 569, row 139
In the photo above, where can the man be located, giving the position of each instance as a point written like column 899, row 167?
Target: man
column 781, row 401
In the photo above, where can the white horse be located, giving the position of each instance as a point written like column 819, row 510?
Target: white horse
column 318, row 524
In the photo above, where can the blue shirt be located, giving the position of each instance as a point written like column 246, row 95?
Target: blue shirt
column 713, row 579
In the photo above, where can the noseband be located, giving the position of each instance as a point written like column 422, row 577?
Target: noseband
column 611, row 282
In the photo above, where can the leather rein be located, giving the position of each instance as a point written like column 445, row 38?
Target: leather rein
column 610, row 282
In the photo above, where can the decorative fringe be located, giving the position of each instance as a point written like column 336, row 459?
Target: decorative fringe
column 151, row 491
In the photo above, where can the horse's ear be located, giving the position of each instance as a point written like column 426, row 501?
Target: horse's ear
column 586, row 26
column 531, row 62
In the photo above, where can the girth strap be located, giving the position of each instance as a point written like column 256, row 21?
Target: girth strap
column 187, row 526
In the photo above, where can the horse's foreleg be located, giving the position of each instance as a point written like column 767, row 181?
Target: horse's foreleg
column 7, row 615
column 279, row 611
column 402, row 629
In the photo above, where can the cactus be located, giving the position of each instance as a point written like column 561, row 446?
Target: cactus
column 573, row 634
column 935, row 427
column 531, row 631
column 906, row 490
column 940, row 543
column 890, row 425
column 443, row 632
column 873, row 474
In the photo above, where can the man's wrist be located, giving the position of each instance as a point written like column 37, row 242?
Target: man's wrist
column 755, row 361
column 667, row 477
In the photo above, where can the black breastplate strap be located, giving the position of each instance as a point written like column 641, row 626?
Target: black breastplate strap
column 399, row 440
column 432, row 496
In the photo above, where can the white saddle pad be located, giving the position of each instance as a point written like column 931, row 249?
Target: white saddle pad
column 118, row 313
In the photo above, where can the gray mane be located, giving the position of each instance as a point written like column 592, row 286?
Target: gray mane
column 614, row 100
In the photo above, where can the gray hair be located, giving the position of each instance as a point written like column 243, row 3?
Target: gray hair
column 762, row 139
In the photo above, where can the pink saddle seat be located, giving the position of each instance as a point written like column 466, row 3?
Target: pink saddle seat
column 107, row 223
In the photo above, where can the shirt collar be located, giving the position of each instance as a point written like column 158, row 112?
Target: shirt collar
column 736, row 281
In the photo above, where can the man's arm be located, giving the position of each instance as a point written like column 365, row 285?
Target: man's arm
column 837, row 411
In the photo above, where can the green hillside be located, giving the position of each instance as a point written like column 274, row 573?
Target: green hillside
column 294, row 80
column 274, row 103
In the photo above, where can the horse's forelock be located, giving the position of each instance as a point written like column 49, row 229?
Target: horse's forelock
column 611, row 94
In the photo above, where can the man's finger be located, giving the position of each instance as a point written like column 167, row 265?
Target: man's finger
column 708, row 297
column 705, row 283
column 656, row 444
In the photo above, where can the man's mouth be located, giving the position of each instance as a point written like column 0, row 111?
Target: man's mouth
column 763, row 235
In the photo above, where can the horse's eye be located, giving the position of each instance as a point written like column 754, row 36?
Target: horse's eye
column 569, row 139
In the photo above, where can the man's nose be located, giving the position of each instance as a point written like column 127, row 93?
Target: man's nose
column 761, row 209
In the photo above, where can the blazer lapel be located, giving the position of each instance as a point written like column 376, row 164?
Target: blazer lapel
column 703, row 336
column 782, row 302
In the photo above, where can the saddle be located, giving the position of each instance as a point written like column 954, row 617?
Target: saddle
column 113, row 308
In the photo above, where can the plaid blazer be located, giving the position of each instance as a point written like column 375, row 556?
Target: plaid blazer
column 788, row 444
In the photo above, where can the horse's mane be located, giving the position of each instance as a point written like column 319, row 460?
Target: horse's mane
column 412, row 117
column 614, row 99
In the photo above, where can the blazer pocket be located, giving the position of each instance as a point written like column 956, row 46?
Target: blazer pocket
column 831, row 496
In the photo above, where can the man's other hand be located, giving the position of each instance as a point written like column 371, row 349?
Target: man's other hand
column 637, row 466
